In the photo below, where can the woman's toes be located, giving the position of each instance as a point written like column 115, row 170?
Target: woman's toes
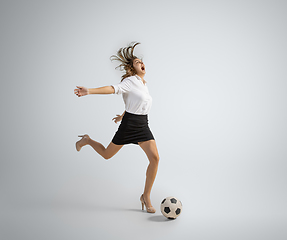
column 78, row 146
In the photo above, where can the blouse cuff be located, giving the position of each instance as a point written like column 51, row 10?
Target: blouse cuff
column 116, row 89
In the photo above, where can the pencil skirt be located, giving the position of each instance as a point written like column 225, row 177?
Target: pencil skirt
column 133, row 129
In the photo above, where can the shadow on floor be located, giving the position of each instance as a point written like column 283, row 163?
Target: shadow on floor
column 74, row 205
column 159, row 218
column 153, row 218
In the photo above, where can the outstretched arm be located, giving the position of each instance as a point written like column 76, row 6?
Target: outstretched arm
column 102, row 90
column 82, row 91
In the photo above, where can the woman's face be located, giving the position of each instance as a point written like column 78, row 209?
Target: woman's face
column 139, row 66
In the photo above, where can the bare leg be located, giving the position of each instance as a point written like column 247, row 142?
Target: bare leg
column 151, row 151
column 106, row 153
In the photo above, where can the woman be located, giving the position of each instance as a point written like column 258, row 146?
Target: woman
column 134, row 121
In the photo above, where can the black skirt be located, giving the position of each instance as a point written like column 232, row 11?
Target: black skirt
column 133, row 129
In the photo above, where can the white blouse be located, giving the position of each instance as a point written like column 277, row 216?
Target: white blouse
column 135, row 94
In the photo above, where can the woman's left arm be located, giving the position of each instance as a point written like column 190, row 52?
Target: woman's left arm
column 118, row 117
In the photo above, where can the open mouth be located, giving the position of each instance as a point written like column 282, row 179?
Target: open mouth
column 142, row 68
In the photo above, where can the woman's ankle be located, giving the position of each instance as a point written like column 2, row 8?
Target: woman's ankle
column 146, row 197
column 86, row 140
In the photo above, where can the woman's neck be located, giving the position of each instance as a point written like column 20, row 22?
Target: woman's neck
column 141, row 76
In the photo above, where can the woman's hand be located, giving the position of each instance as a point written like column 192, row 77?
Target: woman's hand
column 81, row 91
column 117, row 118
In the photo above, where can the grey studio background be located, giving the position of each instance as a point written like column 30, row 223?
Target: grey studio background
column 217, row 73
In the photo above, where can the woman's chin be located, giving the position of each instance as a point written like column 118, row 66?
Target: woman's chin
column 141, row 73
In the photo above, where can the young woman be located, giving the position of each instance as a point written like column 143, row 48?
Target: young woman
column 134, row 121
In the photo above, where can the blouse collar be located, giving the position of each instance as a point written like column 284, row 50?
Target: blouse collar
column 139, row 78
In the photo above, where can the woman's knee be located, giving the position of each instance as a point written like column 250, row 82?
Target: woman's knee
column 107, row 156
column 111, row 150
column 154, row 159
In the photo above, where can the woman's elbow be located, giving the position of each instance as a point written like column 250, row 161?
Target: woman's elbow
column 111, row 90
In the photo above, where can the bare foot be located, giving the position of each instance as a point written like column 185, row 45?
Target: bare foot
column 82, row 142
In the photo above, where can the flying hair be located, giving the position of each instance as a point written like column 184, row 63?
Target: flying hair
column 126, row 57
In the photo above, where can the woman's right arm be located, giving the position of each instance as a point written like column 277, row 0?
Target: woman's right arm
column 82, row 91
column 102, row 90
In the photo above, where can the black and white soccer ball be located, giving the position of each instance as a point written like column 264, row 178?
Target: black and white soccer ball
column 171, row 207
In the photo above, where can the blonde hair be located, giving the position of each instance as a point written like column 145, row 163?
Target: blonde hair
column 126, row 57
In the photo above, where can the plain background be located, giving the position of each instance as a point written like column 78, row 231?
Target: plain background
column 217, row 73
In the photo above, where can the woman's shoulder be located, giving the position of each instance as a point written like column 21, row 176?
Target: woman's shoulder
column 130, row 79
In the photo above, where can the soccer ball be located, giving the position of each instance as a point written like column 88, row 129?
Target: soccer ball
column 171, row 207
